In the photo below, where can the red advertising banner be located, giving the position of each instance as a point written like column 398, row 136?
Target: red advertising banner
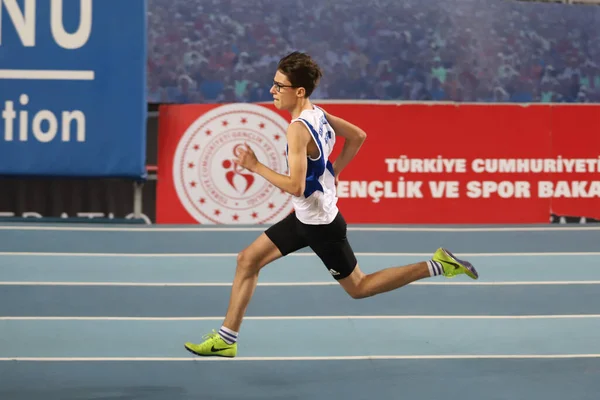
column 421, row 163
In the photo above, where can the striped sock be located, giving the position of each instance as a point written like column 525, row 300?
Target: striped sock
column 435, row 268
column 228, row 336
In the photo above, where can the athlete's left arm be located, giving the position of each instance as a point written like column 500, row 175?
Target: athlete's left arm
column 298, row 138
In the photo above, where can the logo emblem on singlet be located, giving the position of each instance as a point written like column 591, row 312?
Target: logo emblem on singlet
column 211, row 187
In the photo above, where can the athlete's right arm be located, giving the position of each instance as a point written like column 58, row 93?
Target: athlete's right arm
column 354, row 138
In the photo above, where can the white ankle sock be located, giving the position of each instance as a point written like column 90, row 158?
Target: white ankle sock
column 228, row 336
column 435, row 268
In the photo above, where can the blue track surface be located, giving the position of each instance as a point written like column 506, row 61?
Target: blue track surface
column 298, row 380
column 88, row 313
column 301, row 300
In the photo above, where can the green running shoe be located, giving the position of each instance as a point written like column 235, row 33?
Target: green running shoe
column 212, row 346
column 454, row 266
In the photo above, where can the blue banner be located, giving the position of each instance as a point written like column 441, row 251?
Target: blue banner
column 72, row 88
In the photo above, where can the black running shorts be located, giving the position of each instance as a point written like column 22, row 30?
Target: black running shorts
column 329, row 242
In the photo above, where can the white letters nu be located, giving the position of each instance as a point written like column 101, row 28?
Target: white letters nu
column 24, row 22
column 71, row 40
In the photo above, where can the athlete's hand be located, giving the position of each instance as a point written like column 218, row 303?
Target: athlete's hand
column 246, row 158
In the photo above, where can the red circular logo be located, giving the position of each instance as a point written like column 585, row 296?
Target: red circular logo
column 211, row 187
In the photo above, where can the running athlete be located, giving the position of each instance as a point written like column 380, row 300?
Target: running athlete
column 316, row 221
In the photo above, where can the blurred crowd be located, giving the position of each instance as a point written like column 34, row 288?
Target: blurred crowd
column 207, row 51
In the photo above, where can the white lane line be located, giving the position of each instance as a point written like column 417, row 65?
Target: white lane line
column 306, row 358
column 326, row 283
column 317, row 317
column 359, row 254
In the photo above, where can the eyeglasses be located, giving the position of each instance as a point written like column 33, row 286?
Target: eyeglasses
column 278, row 86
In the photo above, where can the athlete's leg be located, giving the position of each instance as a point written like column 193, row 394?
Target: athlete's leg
column 360, row 285
column 277, row 241
column 330, row 243
column 249, row 263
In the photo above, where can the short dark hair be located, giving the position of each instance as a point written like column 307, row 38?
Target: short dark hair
column 301, row 70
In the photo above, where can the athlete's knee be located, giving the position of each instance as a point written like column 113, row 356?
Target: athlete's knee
column 248, row 262
column 359, row 291
column 357, row 285
column 245, row 262
column 355, row 293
